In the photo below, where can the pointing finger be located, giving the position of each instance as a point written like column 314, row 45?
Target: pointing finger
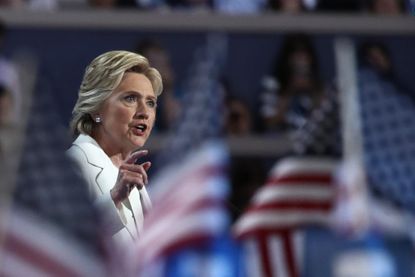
column 136, row 155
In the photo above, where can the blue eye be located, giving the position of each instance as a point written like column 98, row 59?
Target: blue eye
column 130, row 98
column 151, row 103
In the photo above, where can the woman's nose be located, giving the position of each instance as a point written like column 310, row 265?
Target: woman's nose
column 141, row 111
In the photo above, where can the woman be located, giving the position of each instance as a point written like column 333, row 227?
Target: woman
column 296, row 88
column 113, row 117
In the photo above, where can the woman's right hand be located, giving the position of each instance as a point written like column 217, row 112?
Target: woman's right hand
column 130, row 175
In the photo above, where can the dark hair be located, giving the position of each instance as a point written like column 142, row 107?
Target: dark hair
column 184, row 3
column 340, row 5
column 293, row 43
column 370, row 5
column 2, row 29
column 3, row 90
column 364, row 61
column 364, row 49
column 276, row 5
column 146, row 44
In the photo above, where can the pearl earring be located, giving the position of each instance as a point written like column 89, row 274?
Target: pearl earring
column 98, row 119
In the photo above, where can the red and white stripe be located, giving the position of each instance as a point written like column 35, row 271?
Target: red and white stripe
column 188, row 206
column 270, row 254
column 299, row 192
column 31, row 247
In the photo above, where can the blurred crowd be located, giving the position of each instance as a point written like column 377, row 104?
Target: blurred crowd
column 389, row 7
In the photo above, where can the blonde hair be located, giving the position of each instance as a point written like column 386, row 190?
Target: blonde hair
column 101, row 77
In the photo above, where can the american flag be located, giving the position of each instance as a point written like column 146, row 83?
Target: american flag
column 388, row 138
column 54, row 212
column 189, row 208
column 379, row 194
column 31, row 246
column 298, row 193
column 320, row 134
column 189, row 192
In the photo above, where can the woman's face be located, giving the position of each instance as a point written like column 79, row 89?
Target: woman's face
column 128, row 115
column 300, row 66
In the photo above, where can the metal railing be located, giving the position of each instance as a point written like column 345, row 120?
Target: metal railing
column 208, row 21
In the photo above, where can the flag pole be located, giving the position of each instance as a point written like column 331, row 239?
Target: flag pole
column 352, row 173
column 349, row 103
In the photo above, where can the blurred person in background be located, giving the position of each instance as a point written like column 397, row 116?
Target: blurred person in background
column 197, row 5
column 292, row 6
column 6, row 107
column 80, row 4
column 31, row 4
column 240, row 6
column 245, row 178
column 113, row 118
column 287, row 6
column 9, row 141
column 342, row 6
column 116, row 4
column 102, row 3
column 376, row 57
column 294, row 89
column 11, row 3
column 169, row 105
column 238, row 117
column 238, row 120
column 9, row 77
column 11, row 119
column 386, row 7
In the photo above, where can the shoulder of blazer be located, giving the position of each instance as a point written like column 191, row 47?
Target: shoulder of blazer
column 94, row 159
column 93, row 152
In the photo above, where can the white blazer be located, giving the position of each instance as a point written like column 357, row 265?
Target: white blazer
column 100, row 173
